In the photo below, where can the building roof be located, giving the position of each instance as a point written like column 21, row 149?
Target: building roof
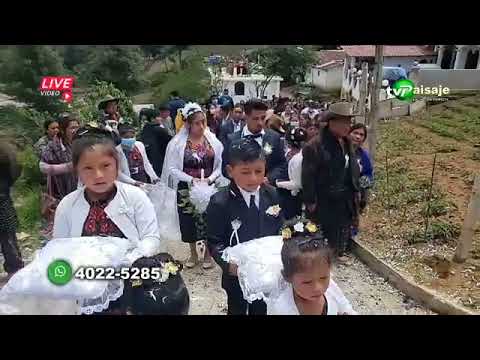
column 388, row 50
column 330, row 65
column 327, row 56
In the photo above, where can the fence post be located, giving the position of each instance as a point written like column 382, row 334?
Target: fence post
column 464, row 244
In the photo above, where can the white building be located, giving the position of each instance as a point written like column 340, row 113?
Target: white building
column 326, row 73
column 393, row 55
column 458, row 68
column 244, row 87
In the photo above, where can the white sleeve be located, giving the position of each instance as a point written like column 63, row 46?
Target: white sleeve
column 217, row 163
column 146, row 163
column 62, row 223
column 295, row 171
column 180, row 175
column 344, row 306
column 147, row 225
column 125, row 178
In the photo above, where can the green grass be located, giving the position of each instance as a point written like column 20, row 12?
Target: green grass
column 456, row 119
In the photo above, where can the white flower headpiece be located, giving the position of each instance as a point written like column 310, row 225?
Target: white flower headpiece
column 190, row 109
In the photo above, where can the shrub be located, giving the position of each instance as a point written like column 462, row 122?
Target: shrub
column 86, row 106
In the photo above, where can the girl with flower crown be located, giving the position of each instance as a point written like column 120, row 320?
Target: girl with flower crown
column 307, row 261
column 193, row 155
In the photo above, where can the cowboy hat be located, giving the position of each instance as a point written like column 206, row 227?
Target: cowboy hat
column 108, row 98
column 344, row 109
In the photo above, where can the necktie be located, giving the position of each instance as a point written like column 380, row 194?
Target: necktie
column 252, row 203
column 253, row 220
column 254, row 136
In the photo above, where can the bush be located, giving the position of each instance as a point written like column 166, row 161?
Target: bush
column 22, row 124
column 87, row 106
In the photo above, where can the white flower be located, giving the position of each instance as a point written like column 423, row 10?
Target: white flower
column 267, row 148
column 273, row 210
column 298, row 227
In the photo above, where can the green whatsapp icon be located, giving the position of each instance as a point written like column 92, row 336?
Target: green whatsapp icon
column 59, row 272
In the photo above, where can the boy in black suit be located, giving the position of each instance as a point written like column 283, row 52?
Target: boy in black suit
column 269, row 140
column 248, row 206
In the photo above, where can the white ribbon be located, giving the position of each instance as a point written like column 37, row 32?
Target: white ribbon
column 235, row 225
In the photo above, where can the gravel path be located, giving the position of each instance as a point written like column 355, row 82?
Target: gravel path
column 368, row 292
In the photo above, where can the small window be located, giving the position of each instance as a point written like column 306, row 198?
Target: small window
column 239, row 88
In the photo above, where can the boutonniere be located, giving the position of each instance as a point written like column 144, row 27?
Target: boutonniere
column 267, row 148
column 273, row 210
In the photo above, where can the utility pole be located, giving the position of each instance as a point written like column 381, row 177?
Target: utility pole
column 464, row 245
column 363, row 92
column 375, row 95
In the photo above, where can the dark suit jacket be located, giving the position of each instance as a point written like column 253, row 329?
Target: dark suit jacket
column 226, row 129
column 277, row 166
column 228, row 205
column 327, row 183
column 155, row 138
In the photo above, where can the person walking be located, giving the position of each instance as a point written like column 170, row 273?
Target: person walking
column 330, row 178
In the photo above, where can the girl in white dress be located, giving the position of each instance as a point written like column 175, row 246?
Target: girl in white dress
column 307, row 262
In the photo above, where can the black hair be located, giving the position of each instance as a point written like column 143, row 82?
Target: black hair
column 227, row 107
column 296, row 137
column 124, row 128
column 49, row 122
column 64, row 122
column 360, row 126
column 163, row 107
column 174, row 93
column 245, row 150
column 158, row 298
column 302, row 249
column 87, row 137
column 255, row 104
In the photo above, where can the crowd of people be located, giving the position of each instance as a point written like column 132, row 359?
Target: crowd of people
column 284, row 160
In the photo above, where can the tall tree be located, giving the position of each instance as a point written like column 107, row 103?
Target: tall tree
column 120, row 65
column 289, row 63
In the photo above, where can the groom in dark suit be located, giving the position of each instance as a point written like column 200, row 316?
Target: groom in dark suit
column 269, row 140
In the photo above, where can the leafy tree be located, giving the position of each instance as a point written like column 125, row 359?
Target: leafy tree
column 87, row 105
column 192, row 82
column 21, row 72
column 119, row 64
column 76, row 55
column 288, row 62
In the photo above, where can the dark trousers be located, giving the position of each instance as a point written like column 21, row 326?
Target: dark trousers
column 237, row 305
column 11, row 252
column 338, row 237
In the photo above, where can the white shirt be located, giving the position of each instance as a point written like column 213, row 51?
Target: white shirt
column 246, row 196
column 247, row 132
column 294, row 174
column 237, row 126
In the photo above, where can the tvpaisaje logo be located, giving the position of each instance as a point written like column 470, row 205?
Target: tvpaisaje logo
column 58, row 86
column 406, row 90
